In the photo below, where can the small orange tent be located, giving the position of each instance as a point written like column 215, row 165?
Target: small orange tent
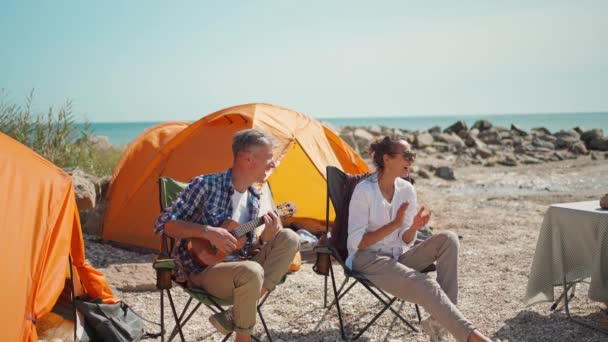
column 304, row 149
column 40, row 228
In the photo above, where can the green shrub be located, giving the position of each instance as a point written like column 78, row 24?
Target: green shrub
column 55, row 136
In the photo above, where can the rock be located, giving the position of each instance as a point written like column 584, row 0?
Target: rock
column 490, row 136
column 542, row 130
column 579, row 148
column 445, row 172
column 558, row 156
column 457, row 127
column 360, row 133
column 102, row 187
column 536, row 142
column 567, row 133
column 592, row 134
column 131, row 277
column 600, row 144
column 375, row 129
column 434, row 129
column 566, row 141
column 604, row 202
column 508, row 161
column 482, row 125
column 530, row 160
column 84, row 190
column 515, row 128
column 92, row 220
column 473, row 133
column 451, row 139
column 484, row 152
column 441, row 146
column 423, row 174
column 349, row 139
column 423, row 140
column 545, row 137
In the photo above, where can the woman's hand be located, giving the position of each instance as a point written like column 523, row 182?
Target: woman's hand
column 421, row 219
column 400, row 216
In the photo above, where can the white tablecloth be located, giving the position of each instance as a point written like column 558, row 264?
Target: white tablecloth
column 573, row 240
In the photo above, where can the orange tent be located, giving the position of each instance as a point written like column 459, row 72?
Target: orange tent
column 40, row 228
column 139, row 153
column 304, row 149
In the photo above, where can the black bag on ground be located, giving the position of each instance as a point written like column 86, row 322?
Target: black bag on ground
column 111, row 322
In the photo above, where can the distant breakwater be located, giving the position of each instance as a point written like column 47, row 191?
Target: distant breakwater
column 486, row 144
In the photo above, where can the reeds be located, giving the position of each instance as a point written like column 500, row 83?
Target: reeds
column 56, row 137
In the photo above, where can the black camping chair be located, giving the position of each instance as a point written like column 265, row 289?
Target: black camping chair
column 340, row 187
column 164, row 265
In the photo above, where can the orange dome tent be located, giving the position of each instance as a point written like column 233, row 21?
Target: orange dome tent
column 40, row 228
column 138, row 154
column 304, row 149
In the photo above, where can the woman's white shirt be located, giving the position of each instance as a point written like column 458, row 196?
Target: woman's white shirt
column 369, row 210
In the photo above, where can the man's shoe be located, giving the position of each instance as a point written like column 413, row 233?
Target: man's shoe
column 223, row 321
column 436, row 332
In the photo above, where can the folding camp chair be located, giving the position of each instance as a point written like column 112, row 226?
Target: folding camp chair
column 340, row 186
column 164, row 265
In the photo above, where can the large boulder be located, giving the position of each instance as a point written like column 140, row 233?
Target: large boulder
column 490, row 136
column 518, row 130
column 482, row 125
column 445, row 172
column 541, row 130
column 600, row 143
column 592, row 134
column 459, row 127
column 423, row 140
column 84, row 189
column 451, row 139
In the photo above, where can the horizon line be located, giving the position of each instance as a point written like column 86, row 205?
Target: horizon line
column 378, row 117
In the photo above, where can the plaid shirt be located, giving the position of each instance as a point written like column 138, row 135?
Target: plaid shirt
column 206, row 201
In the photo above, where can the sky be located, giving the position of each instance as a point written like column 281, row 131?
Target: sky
column 160, row 60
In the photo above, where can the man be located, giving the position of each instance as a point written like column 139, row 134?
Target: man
column 199, row 211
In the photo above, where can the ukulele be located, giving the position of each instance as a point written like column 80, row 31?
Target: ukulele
column 206, row 254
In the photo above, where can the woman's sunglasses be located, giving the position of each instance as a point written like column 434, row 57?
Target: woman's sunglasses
column 409, row 155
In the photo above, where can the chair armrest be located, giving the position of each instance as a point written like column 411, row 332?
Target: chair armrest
column 165, row 264
column 323, row 249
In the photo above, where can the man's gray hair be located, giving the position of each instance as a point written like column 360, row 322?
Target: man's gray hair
column 250, row 137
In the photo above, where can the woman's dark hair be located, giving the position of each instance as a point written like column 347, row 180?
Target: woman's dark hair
column 381, row 147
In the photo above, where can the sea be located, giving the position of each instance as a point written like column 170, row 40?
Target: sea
column 121, row 133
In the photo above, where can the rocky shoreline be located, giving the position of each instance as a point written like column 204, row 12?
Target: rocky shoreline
column 486, row 144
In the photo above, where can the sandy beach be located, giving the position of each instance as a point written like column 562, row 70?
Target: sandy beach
column 497, row 210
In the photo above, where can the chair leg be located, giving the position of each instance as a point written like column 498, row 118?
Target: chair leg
column 325, row 294
column 386, row 306
column 183, row 321
column 162, row 316
column 178, row 325
column 390, row 307
column 418, row 313
column 342, row 293
column 264, row 323
column 336, row 298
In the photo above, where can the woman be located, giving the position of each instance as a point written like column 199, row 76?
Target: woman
column 382, row 228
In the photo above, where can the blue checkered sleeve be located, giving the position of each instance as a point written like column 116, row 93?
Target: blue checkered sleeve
column 185, row 205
